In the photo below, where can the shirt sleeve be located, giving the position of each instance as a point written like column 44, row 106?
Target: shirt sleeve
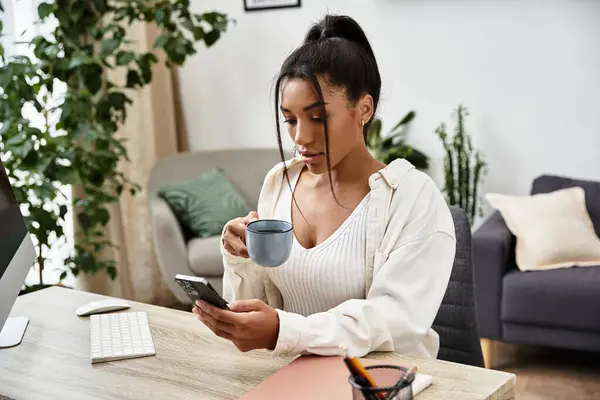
column 402, row 301
column 242, row 278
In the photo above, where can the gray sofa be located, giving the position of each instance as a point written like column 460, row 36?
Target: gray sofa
column 178, row 253
column 555, row 308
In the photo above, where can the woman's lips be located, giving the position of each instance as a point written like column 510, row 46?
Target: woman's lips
column 311, row 158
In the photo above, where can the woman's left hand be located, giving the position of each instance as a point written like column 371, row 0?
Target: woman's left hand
column 250, row 325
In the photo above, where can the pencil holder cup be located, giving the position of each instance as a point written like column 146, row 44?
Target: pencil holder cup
column 392, row 383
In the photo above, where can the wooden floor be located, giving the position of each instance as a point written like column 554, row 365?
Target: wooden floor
column 547, row 374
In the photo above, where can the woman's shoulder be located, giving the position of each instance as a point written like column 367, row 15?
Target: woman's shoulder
column 273, row 182
column 417, row 199
column 276, row 173
column 405, row 179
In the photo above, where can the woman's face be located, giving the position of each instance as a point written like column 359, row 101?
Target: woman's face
column 304, row 116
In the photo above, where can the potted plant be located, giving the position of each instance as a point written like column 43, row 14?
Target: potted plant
column 60, row 113
column 386, row 148
column 464, row 166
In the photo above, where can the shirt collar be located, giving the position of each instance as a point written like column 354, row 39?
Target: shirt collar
column 391, row 174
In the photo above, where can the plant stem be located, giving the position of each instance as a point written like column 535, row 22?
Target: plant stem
column 40, row 261
column 468, row 188
column 452, row 190
column 479, row 164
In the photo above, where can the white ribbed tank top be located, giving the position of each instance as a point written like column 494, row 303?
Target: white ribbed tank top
column 317, row 279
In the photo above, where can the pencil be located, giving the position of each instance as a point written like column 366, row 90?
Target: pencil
column 360, row 381
column 356, row 367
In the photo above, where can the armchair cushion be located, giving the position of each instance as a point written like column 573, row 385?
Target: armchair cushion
column 204, row 205
column 553, row 230
column 204, row 256
column 560, row 298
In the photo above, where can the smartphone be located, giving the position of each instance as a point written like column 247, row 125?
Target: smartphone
column 198, row 288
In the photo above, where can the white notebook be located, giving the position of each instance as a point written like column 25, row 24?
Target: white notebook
column 315, row 378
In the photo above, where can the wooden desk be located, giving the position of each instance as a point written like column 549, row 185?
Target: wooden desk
column 191, row 362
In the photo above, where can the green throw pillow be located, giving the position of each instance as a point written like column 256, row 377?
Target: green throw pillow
column 204, row 204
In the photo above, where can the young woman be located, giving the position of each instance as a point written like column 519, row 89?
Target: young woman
column 373, row 244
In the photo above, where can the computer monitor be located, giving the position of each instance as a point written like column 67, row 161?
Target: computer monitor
column 17, row 255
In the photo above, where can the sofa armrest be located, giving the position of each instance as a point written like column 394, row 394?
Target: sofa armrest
column 493, row 254
column 169, row 242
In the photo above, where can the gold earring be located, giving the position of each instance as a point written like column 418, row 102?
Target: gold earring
column 362, row 122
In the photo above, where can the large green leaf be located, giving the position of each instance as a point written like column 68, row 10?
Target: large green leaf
column 133, row 79
column 92, row 77
column 418, row 159
column 45, row 9
column 118, row 100
column 101, row 6
column 125, row 57
column 69, row 176
column 407, row 118
column 110, row 45
column 80, row 59
column 162, row 15
column 211, row 37
column 389, row 141
column 161, row 41
column 22, row 150
column 374, row 134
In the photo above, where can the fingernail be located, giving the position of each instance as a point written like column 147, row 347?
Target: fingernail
column 253, row 219
column 199, row 303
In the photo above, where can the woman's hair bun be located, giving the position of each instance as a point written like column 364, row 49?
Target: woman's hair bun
column 339, row 26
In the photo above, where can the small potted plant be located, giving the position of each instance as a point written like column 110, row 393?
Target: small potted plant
column 464, row 167
column 386, row 148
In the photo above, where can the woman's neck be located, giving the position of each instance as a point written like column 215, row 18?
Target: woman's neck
column 355, row 168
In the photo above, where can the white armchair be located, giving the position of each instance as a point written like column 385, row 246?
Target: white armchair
column 179, row 254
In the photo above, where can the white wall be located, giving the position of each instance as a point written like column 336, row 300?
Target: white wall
column 529, row 72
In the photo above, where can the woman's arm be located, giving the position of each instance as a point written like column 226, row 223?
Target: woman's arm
column 402, row 302
column 242, row 278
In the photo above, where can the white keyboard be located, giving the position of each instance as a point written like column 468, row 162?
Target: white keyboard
column 118, row 336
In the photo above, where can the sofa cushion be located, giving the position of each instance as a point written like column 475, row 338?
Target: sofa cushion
column 553, row 230
column 563, row 298
column 204, row 256
column 204, row 205
column 550, row 183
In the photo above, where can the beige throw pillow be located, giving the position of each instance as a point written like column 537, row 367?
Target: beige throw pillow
column 553, row 230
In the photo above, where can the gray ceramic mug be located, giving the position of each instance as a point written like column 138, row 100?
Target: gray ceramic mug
column 269, row 241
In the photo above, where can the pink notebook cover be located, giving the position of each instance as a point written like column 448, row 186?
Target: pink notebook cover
column 313, row 377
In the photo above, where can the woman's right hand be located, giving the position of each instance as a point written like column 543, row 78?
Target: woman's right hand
column 234, row 235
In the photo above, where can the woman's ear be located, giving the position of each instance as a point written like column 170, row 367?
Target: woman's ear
column 365, row 108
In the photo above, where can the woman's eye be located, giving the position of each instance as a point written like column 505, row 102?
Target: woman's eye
column 319, row 118
column 290, row 121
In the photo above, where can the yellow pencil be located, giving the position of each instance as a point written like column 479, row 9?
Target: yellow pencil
column 362, row 371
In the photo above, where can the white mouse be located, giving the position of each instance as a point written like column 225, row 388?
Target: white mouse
column 101, row 306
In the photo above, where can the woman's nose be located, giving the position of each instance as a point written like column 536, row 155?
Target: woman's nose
column 303, row 134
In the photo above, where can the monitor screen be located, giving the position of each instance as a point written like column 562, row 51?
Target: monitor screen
column 12, row 227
